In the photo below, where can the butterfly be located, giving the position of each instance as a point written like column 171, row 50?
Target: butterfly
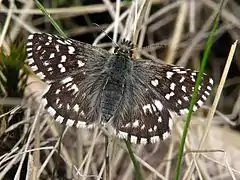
column 88, row 85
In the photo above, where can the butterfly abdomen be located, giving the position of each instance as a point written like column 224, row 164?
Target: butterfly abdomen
column 111, row 98
column 117, row 71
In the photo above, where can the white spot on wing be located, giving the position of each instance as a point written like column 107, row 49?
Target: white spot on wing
column 57, row 100
column 57, row 48
column 133, row 139
column 81, row 124
column 207, row 93
column 39, row 47
column 143, row 141
column 52, row 55
column 154, row 139
column 50, row 38
column 80, row 63
column 154, row 127
column 51, row 111
column 69, row 84
column 143, row 127
column 135, row 124
column 34, row 68
column 169, row 74
column 75, row 88
column 66, row 80
column 154, row 82
column 167, row 96
column 29, row 43
column 30, row 36
column 71, row 49
column 172, row 86
column 159, row 119
column 60, row 65
column 200, row 103
column 63, row 69
column 127, row 125
column 30, row 61
column 158, row 105
column 41, row 75
column 172, row 94
column 45, row 63
column 183, row 111
column 204, row 97
column 182, row 79
column 147, row 107
column 209, row 88
column 176, row 69
column 182, row 72
column 58, row 91
column 165, row 135
column 63, row 58
column 29, row 49
column 49, row 69
column 70, row 122
column 76, row 108
column 61, row 42
column 179, row 101
column 211, row 81
column 122, row 134
column 184, row 89
column 193, row 79
column 82, row 113
column 68, row 106
column 59, row 119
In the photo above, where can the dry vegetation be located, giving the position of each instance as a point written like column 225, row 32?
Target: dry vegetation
column 30, row 138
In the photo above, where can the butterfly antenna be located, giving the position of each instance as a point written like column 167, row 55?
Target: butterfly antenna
column 159, row 45
column 105, row 33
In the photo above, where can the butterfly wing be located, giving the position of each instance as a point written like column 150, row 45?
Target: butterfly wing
column 158, row 93
column 52, row 57
column 71, row 68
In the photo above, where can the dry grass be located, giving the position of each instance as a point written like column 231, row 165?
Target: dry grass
column 211, row 151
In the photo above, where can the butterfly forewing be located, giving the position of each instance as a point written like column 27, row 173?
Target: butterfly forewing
column 176, row 85
column 52, row 57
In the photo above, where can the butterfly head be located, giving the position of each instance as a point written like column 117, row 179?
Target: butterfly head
column 124, row 49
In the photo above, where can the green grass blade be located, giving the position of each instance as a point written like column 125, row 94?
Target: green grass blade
column 55, row 25
column 194, row 98
column 134, row 161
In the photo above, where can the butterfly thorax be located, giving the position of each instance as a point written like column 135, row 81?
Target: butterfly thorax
column 117, row 73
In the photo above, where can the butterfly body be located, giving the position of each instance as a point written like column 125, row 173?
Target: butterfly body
column 89, row 85
column 118, row 71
